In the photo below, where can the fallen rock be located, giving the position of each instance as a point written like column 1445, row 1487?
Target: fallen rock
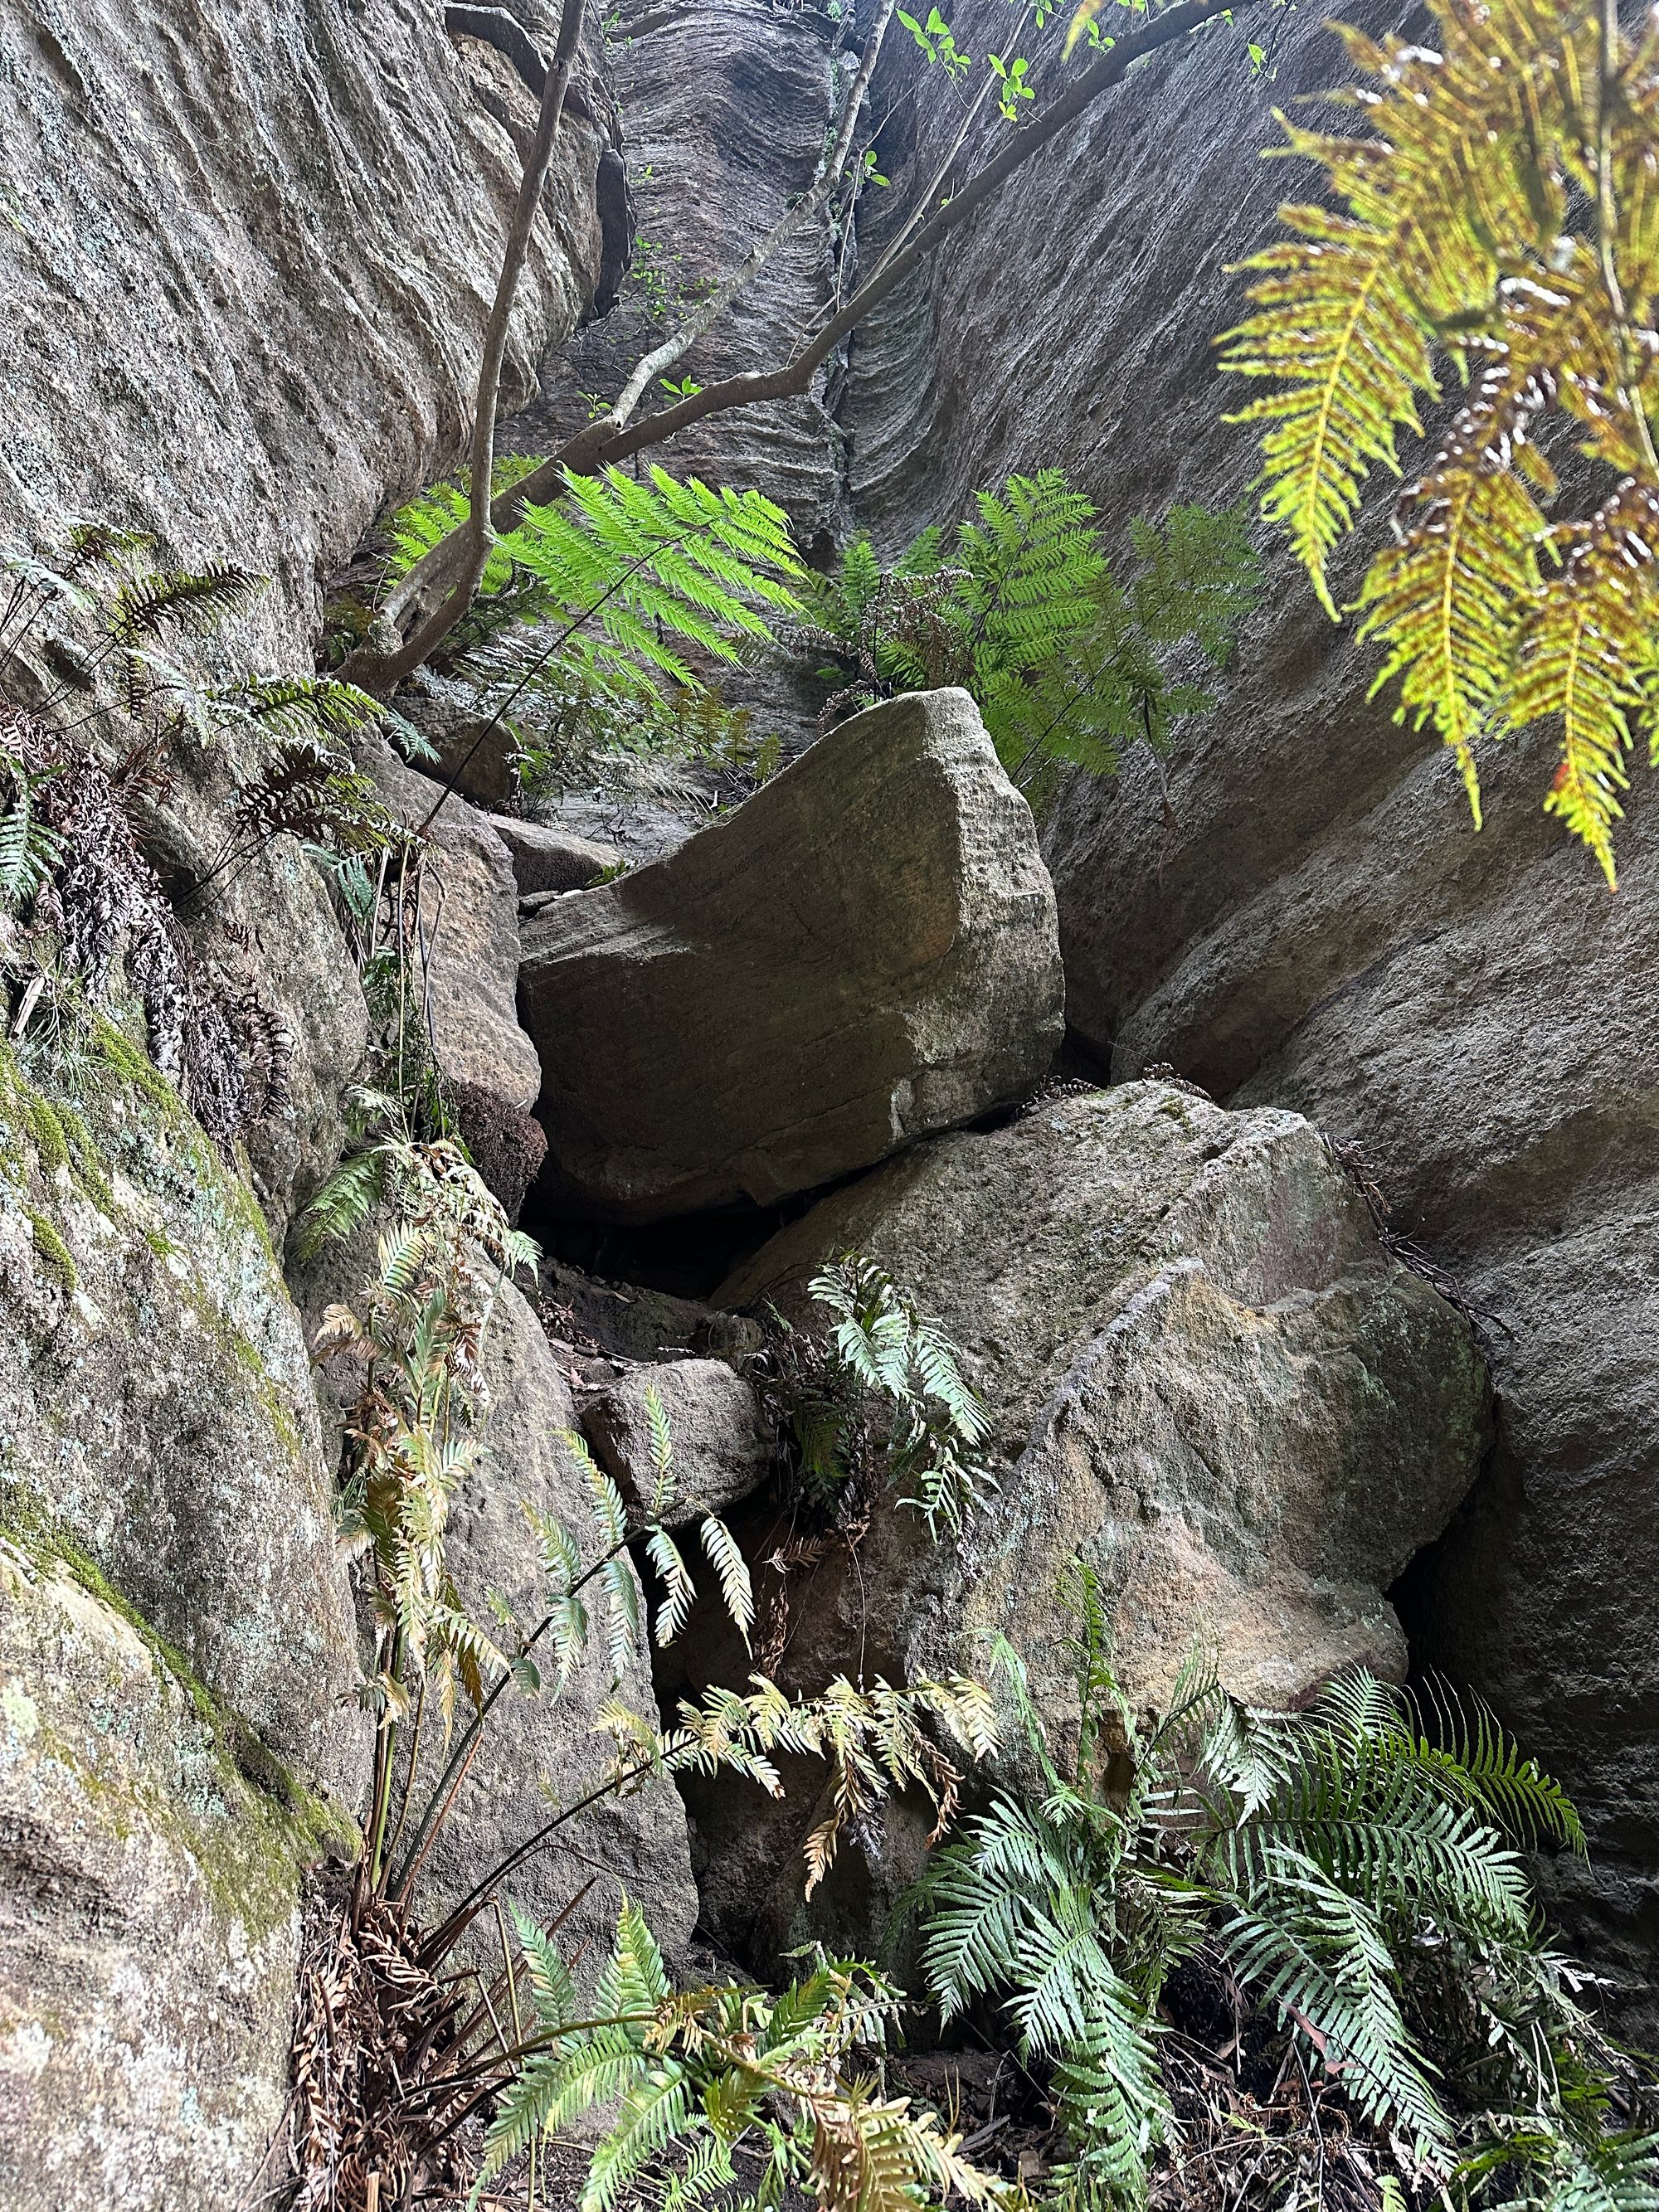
column 548, row 858
column 863, row 954
column 149, row 1915
column 722, row 1447
column 475, row 750
column 627, row 1322
column 1205, row 1376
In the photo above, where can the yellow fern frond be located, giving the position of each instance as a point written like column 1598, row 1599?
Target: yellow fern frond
column 1484, row 139
column 1449, row 598
column 1587, row 658
column 1336, row 328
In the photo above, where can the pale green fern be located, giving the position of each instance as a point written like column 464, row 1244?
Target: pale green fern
column 1320, row 1856
column 1070, row 665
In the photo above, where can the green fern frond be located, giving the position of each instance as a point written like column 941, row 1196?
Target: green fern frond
column 664, row 1489
column 625, row 1637
column 1451, row 600
column 675, row 1611
column 146, row 605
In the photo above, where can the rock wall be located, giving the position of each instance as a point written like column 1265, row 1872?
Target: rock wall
column 247, row 255
column 724, row 107
column 1301, row 913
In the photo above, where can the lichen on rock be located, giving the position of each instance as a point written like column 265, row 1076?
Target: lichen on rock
column 150, row 1924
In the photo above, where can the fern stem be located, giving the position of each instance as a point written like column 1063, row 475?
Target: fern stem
column 437, row 1942
column 463, row 1751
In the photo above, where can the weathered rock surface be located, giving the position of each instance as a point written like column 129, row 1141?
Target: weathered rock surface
column 1305, row 915
column 543, row 1750
column 148, row 1917
column 469, row 917
column 1204, row 1375
column 862, row 954
column 156, row 1403
column 470, row 927
column 251, row 308
column 721, row 1448
column 726, row 106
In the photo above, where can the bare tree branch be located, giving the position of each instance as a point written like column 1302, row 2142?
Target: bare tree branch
column 378, row 672
column 605, row 442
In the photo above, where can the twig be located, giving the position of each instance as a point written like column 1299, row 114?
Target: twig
column 380, row 672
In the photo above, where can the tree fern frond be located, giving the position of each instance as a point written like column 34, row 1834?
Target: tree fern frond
column 1451, row 600
column 1587, row 655
column 1336, row 329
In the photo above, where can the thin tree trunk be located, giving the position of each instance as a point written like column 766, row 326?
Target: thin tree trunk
column 599, row 446
column 380, row 672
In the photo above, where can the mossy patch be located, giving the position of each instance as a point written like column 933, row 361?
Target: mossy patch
column 54, row 1253
column 260, row 1825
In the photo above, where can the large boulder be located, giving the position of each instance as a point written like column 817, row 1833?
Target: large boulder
column 863, row 954
column 1205, row 1377
column 148, row 1913
column 1296, row 908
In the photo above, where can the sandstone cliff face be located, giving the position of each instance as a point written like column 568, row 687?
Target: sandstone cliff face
column 247, row 255
column 1304, row 916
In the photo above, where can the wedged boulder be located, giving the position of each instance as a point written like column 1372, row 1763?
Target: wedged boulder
column 720, row 1444
column 863, row 954
column 547, row 858
column 539, row 1749
column 149, row 1915
column 1205, row 1376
